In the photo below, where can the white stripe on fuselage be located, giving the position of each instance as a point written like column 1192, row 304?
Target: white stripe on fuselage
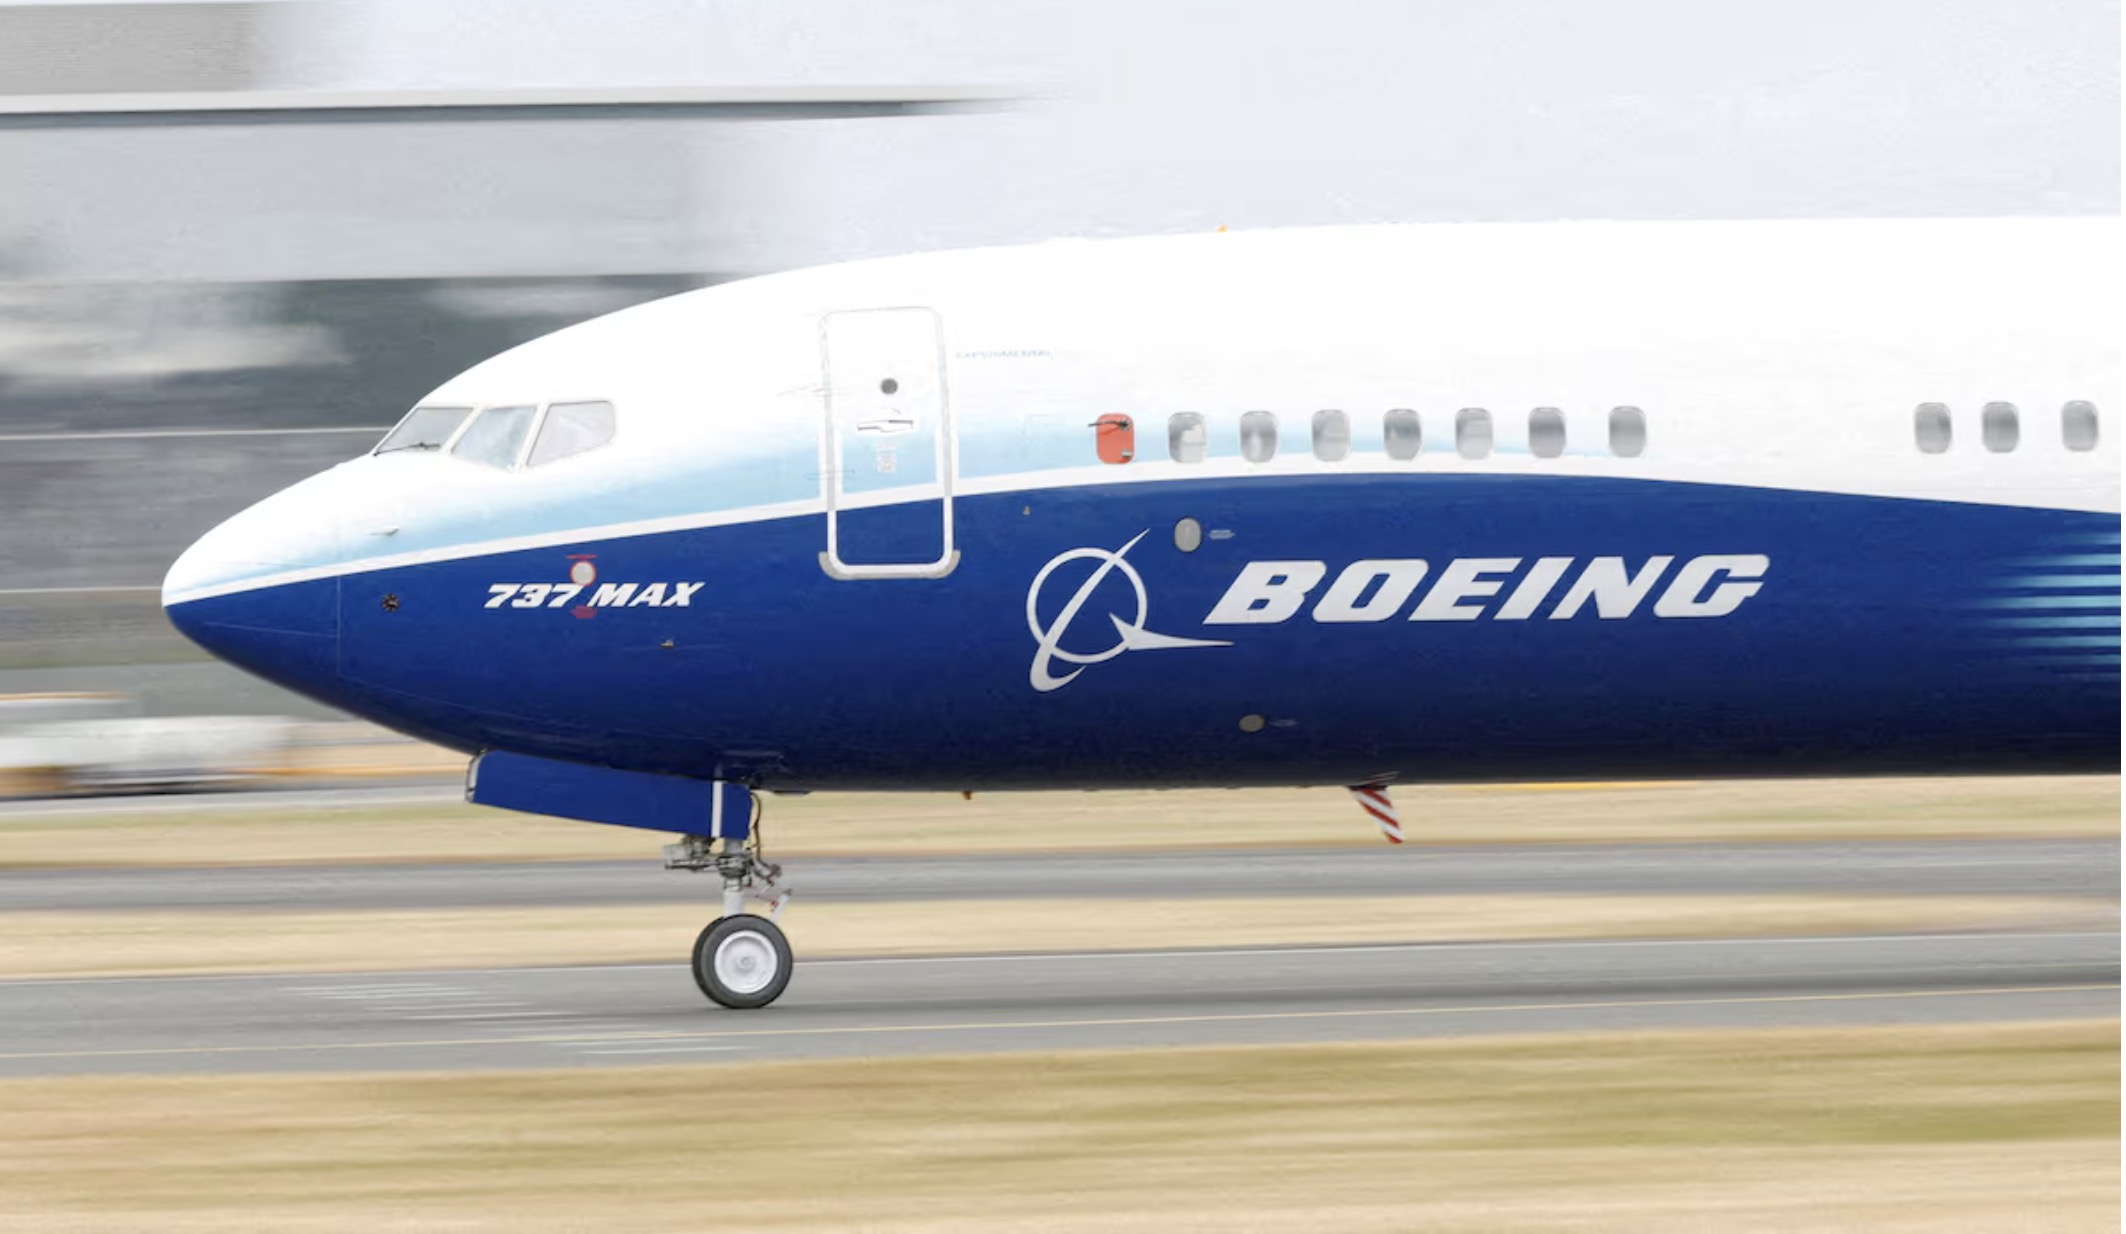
column 2089, row 499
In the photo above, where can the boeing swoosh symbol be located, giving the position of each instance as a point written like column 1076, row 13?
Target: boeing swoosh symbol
column 1130, row 635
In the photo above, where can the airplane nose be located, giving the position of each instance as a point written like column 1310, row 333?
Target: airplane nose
column 260, row 592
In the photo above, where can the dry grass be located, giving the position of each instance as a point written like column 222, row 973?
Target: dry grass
column 1900, row 1129
column 103, row 943
column 883, row 823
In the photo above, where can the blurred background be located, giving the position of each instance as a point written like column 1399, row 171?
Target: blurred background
column 216, row 278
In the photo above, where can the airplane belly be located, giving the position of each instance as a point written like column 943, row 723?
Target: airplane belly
column 1307, row 630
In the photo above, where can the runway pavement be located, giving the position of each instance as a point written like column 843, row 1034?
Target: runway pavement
column 622, row 1015
column 416, row 793
column 453, row 1020
column 2043, row 867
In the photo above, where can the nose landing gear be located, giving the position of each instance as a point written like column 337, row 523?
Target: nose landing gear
column 741, row 960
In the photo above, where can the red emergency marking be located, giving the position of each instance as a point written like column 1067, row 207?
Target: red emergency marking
column 1373, row 799
column 1115, row 438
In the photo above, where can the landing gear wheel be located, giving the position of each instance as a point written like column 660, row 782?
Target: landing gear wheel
column 742, row 961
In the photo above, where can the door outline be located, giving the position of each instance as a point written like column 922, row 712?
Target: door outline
column 831, row 459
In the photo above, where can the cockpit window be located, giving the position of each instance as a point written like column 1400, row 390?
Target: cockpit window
column 424, row 428
column 572, row 428
column 496, row 437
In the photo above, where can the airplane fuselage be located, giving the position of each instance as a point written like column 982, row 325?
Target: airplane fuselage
column 1310, row 507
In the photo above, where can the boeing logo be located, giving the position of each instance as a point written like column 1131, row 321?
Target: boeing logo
column 1379, row 589
column 1382, row 589
column 1129, row 635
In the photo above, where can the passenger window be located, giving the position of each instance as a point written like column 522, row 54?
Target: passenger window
column 1627, row 432
column 1258, row 436
column 572, row 428
column 1546, row 432
column 1472, row 432
column 1402, row 434
column 2078, row 425
column 1997, row 427
column 1931, row 428
column 1332, row 436
column 495, row 437
column 1186, row 438
column 424, row 428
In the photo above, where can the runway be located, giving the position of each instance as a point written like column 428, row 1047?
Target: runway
column 417, row 795
column 637, row 1014
column 2086, row 868
column 471, row 1019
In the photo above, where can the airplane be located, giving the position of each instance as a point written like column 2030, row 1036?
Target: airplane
column 1351, row 506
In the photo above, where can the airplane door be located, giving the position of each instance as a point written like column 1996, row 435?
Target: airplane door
column 887, row 457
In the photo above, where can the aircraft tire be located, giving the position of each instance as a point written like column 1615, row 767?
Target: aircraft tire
column 742, row 962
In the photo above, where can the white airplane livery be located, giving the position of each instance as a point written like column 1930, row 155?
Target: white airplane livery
column 1347, row 506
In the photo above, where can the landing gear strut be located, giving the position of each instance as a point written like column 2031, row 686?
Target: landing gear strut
column 742, row 959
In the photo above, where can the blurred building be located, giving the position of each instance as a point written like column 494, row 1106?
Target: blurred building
column 195, row 311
